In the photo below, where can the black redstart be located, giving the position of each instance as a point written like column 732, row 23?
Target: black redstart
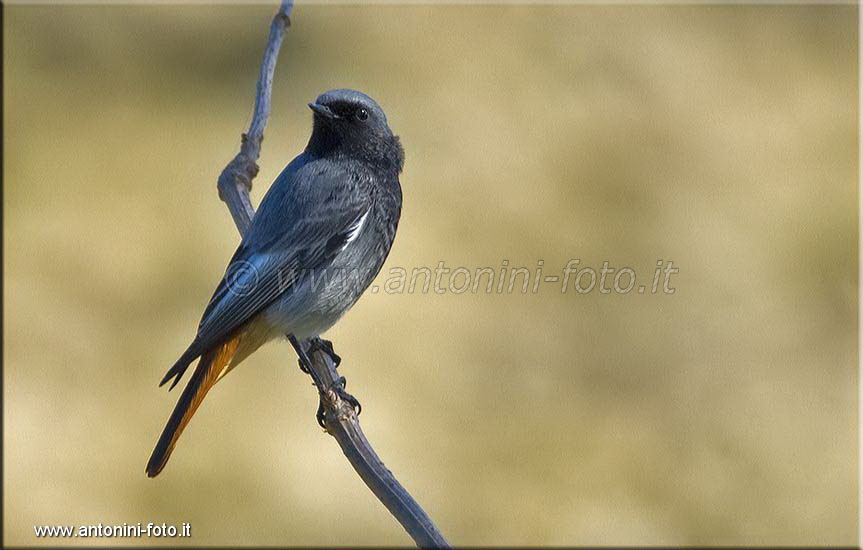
column 319, row 238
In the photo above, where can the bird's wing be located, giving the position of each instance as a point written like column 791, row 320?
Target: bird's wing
column 303, row 223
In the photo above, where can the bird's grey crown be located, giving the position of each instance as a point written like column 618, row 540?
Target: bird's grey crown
column 356, row 98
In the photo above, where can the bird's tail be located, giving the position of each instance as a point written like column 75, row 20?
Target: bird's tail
column 210, row 367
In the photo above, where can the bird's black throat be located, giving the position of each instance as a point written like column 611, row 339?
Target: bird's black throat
column 382, row 150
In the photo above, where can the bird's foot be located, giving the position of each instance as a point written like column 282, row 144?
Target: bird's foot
column 325, row 346
column 303, row 366
column 339, row 389
column 345, row 396
column 321, row 415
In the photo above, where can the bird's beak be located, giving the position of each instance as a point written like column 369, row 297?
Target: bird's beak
column 322, row 110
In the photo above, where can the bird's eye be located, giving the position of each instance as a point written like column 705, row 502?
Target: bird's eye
column 362, row 114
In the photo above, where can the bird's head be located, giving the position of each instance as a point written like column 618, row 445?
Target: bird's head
column 351, row 123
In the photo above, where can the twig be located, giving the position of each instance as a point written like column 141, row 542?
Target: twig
column 235, row 181
column 340, row 418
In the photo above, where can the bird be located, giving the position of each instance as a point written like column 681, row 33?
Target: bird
column 320, row 236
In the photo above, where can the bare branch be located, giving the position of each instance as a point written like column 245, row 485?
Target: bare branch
column 235, row 183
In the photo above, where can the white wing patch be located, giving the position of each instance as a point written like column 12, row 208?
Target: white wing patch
column 355, row 228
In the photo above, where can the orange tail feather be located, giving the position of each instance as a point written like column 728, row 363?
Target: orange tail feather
column 210, row 367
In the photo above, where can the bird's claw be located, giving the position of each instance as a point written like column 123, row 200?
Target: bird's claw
column 345, row 396
column 327, row 347
column 319, row 344
column 303, row 366
column 321, row 415
column 339, row 389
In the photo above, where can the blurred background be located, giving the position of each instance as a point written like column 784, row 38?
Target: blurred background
column 722, row 138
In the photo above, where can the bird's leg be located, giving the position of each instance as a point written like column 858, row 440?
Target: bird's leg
column 303, row 365
column 305, row 361
column 326, row 346
column 338, row 386
column 318, row 343
column 303, row 358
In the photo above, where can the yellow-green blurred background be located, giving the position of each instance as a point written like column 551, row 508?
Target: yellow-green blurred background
column 723, row 138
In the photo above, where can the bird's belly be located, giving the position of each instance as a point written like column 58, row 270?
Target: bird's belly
column 309, row 310
column 320, row 298
column 302, row 325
